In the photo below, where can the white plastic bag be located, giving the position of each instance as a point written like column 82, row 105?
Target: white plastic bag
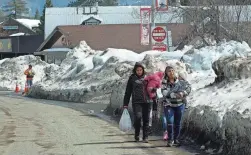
column 125, row 123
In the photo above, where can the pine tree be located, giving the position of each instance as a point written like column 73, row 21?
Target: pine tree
column 109, row 3
column 92, row 2
column 47, row 4
column 16, row 7
column 37, row 16
column 1, row 13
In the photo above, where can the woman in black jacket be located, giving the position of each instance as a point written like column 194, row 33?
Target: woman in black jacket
column 141, row 108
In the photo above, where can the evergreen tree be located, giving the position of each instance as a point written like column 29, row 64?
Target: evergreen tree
column 109, row 3
column 47, row 4
column 16, row 7
column 92, row 2
column 37, row 16
column 1, row 13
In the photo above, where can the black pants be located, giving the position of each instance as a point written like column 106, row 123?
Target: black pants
column 141, row 111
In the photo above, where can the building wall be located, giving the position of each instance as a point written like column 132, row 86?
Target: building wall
column 55, row 16
column 23, row 44
column 124, row 36
column 60, row 42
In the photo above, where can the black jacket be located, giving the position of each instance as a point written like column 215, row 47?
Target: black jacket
column 135, row 88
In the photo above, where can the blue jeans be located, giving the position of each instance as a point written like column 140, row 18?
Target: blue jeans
column 29, row 83
column 172, row 120
column 164, row 123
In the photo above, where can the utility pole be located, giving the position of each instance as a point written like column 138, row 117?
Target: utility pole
column 152, row 22
column 153, row 13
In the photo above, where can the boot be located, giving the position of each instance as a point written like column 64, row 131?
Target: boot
column 136, row 134
column 145, row 140
column 165, row 136
column 177, row 142
column 136, row 138
column 170, row 143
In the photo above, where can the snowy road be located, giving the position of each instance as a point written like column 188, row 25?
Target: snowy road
column 29, row 127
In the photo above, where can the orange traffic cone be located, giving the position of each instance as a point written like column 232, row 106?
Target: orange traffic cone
column 26, row 89
column 17, row 88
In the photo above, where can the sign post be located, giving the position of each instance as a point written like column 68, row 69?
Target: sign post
column 159, row 38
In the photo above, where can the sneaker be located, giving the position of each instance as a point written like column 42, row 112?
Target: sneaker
column 177, row 142
column 170, row 143
column 145, row 140
column 165, row 136
column 136, row 139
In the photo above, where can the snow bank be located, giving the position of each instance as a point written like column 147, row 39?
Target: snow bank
column 12, row 70
column 219, row 113
column 30, row 23
column 202, row 59
column 87, row 74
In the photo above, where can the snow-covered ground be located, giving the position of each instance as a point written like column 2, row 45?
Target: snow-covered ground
column 93, row 76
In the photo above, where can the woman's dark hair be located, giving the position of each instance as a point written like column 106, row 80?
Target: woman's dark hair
column 167, row 68
column 137, row 64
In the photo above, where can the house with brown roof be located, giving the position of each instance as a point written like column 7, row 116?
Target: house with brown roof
column 101, row 37
column 106, row 15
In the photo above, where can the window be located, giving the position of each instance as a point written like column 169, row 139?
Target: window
column 90, row 23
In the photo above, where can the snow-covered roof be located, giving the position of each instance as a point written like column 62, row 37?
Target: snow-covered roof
column 56, row 16
column 30, row 23
column 18, row 34
column 57, row 49
column 93, row 16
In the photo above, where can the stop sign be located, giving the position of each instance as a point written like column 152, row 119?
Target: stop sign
column 159, row 34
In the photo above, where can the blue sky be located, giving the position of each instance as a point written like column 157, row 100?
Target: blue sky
column 34, row 4
column 39, row 4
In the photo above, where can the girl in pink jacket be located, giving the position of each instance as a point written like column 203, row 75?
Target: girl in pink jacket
column 153, row 82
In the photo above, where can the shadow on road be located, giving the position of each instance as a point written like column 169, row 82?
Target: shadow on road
column 137, row 147
column 119, row 135
column 114, row 142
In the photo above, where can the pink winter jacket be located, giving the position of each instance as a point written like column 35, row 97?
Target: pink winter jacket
column 153, row 81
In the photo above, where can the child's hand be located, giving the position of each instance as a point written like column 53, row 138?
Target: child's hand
column 180, row 95
column 173, row 95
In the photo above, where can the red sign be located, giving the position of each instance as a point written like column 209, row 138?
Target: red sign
column 159, row 38
column 161, row 47
column 159, row 34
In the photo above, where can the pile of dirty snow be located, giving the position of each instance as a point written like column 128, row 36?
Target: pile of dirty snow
column 202, row 59
column 12, row 70
column 86, row 74
column 219, row 113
